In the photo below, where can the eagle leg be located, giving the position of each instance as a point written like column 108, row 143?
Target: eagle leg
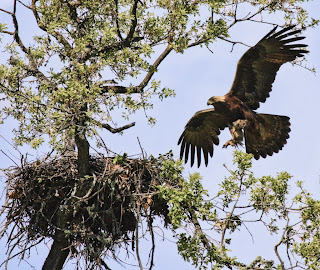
column 236, row 130
column 232, row 142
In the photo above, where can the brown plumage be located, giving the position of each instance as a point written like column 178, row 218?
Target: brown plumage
column 264, row 134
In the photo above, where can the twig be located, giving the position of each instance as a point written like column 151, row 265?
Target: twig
column 142, row 151
column 29, row 7
column 104, row 264
column 11, row 144
column 6, row 11
column 234, row 43
column 7, row 32
column 149, row 220
column 19, row 253
column 9, row 158
column 137, row 239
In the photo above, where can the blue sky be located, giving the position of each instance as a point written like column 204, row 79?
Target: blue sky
column 197, row 75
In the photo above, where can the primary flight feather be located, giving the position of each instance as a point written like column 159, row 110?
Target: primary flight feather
column 264, row 134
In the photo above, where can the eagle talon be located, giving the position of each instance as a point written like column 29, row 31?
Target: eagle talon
column 230, row 142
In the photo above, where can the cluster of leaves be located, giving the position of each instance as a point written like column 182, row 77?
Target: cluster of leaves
column 241, row 200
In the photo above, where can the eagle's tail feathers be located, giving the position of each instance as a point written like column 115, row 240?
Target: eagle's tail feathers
column 270, row 136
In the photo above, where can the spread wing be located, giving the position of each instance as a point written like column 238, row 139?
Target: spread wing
column 257, row 68
column 271, row 136
column 200, row 133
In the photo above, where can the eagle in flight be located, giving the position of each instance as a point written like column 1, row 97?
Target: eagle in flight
column 264, row 134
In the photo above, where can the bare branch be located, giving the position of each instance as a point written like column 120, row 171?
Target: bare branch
column 234, row 43
column 117, row 89
column 196, row 43
column 105, row 265
column 116, row 130
column 149, row 220
column 138, row 89
column 6, row 11
column 137, row 239
column 247, row 17
column 29, row 7
column 8, row 157
column 155, row 65
column 7, row 32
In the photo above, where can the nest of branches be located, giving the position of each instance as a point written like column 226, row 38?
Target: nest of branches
column 96, row 212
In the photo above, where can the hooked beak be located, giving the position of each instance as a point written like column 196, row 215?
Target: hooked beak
column 210, row 101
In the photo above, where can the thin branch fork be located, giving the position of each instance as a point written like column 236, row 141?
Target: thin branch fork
column 234, row 43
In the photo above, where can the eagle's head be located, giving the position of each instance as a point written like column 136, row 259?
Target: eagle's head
column 215, row 99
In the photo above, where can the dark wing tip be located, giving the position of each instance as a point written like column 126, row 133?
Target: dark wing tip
column 284, row 30
column 199, row 155
column 180, row 139
column 270, row 33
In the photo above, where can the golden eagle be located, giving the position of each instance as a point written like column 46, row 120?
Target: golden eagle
column 264, row 134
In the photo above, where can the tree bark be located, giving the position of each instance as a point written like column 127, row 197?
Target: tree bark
column 83, row 154
column 58, row 253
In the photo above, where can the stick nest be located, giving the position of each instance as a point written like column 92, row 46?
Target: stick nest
column 96, row 212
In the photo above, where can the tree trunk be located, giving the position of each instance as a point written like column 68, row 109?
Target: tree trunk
column 59, row 250
column 83, row 154
column 58, row 253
